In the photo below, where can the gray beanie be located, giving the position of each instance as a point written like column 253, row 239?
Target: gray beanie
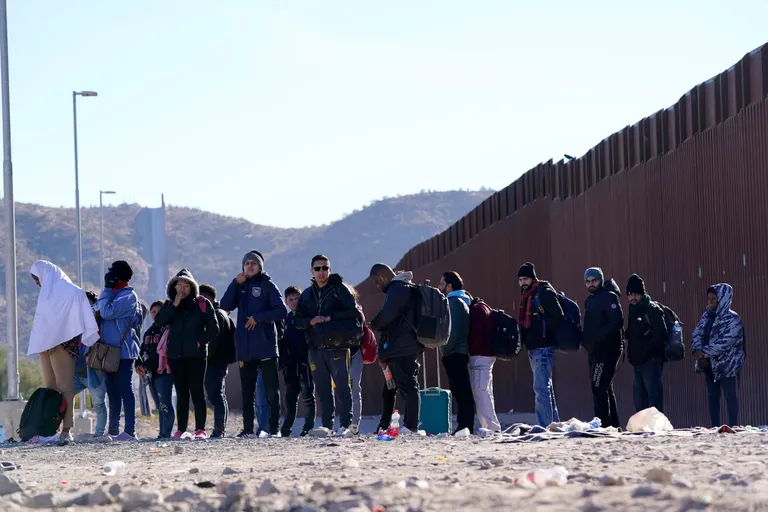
column 254, row 256
column 595, row 272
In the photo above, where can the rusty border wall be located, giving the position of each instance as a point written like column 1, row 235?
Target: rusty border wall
column 679, row 197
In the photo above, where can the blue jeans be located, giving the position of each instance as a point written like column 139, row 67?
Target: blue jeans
column 120, row 392
column 542, row 360
column 356, row 373
column 262, row 407
column 161, row 387
column 98, row 399
column 647, row 389
column 215, row 390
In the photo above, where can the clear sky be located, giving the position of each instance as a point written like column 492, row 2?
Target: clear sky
column 293, row 113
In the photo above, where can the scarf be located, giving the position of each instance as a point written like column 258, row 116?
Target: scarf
column 634, row 309
column 525, row 311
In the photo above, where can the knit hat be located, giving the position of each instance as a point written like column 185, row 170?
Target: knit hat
column 595, row 272
column 527, row 270
column 254, row 256
column 122, row 270
column 635, row 285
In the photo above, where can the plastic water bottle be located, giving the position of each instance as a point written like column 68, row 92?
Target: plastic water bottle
column 3, row 435
column 556, row 476
column 394, row 424
column 677, row 327
column 111, row 468
column 390, row 379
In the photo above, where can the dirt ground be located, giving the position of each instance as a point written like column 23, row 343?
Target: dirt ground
column 711, row 471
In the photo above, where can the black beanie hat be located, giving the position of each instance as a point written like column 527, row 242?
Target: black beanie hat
column 635, row 285
column 122, row 270
column 527, row 270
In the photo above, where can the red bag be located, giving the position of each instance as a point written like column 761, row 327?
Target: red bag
column 369, row 346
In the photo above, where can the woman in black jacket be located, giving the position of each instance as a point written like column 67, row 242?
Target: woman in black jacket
column 192, row 321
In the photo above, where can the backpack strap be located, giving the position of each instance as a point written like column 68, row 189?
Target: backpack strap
column 126, row 331
column 540, row 308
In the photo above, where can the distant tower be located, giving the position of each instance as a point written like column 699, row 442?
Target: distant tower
column 150, row 239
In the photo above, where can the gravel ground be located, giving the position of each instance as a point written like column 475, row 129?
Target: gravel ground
column 714, row 471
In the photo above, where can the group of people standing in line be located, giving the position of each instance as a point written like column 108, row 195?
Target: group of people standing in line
column 192, row 341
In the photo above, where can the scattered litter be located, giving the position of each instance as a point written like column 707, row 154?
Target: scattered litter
column 8, row 466
column 463, row 433
column 553, row 477
column 112, row 468
column 649, row 420
column 205, row 484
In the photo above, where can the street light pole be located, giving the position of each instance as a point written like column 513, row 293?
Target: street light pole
column 75, row 94
column 10, row 217
column 101, row 223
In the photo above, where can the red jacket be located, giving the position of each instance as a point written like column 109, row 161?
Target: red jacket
column 480, row 329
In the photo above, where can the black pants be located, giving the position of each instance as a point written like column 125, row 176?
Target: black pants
column 647, row 389
column 327, row 365
column 298, row 381
column 602, row 369
column 457, row 368
column 405, row 371
column 215, row 377
column 715, row 390
column 188, row 376
column 249, row 373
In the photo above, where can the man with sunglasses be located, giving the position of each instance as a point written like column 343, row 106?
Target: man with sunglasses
column 324, row 308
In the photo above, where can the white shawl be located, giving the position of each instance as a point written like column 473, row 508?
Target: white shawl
column 62, row 312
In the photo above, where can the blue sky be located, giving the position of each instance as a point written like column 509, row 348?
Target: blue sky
column 294, row 113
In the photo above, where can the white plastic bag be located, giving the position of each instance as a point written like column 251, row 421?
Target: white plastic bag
column 649, row 420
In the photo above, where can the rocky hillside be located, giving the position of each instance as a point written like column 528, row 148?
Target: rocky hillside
column 212, row 245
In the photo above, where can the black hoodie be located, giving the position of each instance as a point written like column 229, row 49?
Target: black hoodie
column 333, row 300
column 221, row 349
column 604, row 319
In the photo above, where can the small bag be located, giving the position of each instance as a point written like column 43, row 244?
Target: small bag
column 106, row 357
column 337, row 334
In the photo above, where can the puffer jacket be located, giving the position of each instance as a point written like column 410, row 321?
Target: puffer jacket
column 458, row 340
column 646, row 332
column 604, row 320
column 544, row 324
column 397, row 319
column 191, row 327
column 333, row 300
column 724, row 347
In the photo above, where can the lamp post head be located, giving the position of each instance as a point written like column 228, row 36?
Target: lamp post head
column 87, row 93
column 107, row 192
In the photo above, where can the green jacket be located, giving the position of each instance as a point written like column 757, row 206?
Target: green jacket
column 458, row 341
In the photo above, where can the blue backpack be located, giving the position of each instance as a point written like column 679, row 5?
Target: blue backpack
column 569, row 334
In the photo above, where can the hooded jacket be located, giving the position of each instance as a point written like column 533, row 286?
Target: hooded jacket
column 259, row 298
column 397, row 319
column 191, row 328
column 117, row 309
column 604, row 320
column 720, row 337
column 458, row 340
column 646, row 332
column 333, row 300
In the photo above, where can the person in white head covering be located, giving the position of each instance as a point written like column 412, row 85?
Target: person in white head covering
column 63, row 321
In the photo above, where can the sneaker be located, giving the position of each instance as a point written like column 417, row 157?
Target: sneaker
column 200, row 435
column 181, row 435
column 104, row 438
column 320, row 432
column 304, row 433
column 285, row 433
column 355, row 429
column 217, row 434
column 125, row 436
column 344, row 432
column 65, row 438
column 246, row 434
column 404, row 431
column 264, row 434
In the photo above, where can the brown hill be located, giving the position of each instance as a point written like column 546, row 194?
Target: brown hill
column 212, row 245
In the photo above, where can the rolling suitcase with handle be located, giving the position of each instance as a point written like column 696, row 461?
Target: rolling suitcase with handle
column 435, row 410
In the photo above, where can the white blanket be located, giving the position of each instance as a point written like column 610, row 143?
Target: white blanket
column 62, row 312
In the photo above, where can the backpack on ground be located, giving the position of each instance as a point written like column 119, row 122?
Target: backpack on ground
column 505, row 338
column 569, row 335
column 433, row 318
column 42, row 415
column 674, row 346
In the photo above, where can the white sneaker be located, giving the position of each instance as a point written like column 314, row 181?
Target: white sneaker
column 355, row 429
column 404, row 431
column 320, row 432
column 263, row 434
column 344, row 432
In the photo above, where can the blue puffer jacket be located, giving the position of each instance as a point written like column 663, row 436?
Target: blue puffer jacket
column 257, row 297
column 117, row 309
column 720, row 337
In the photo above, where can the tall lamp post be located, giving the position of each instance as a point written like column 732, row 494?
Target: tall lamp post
column 75, row 94
column 101, row 226
column 10, row 217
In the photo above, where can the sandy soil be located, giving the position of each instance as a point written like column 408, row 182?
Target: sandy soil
column 714, row 471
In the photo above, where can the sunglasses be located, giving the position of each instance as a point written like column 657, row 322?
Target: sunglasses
column 324, row 268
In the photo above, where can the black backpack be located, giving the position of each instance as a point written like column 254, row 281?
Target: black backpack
column 506, row 341
column 674, row 347
column 433, row 324
column 42, row 415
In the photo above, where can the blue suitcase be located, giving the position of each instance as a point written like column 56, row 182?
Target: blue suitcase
column 435, row 410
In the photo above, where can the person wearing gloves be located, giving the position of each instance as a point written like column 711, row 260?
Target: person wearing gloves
column 259, row 307
column 63, row 321
column 191, row 320
column 118, row 306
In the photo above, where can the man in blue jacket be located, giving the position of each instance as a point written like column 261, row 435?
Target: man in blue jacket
column 259, row 305
column 120, row 313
